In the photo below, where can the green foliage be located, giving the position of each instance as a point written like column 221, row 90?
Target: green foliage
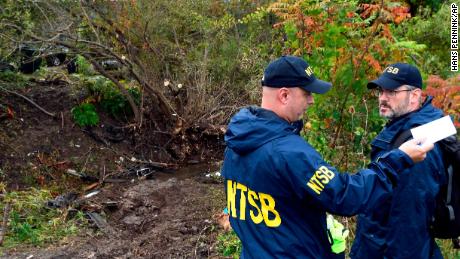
column 346, row 45
column 431, row 29
column 447, row 250
column 116, row 104
column 228, row 244
column 42, row 70
column 431, row 4
column 109, row 97
column 233, row 46
column 83, row 66
column 85, row 115
column 208, row 44
column 23, row 230
column 20, row 15
column 13, row 77
column 339, row 54
column 31, row 223
column 205, row 45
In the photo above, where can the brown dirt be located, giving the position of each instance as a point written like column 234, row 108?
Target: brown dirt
column 168, row 214
column 164, row 218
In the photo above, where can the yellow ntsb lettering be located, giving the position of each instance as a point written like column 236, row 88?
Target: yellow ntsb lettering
column 257, row 218
column 242, row 200
column 231, row 193
column 268, row 205
column 309, row 71
column 262, row 205
column 320, row 178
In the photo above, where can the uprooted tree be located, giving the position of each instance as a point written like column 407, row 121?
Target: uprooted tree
column 197, row 62
column 169, row 48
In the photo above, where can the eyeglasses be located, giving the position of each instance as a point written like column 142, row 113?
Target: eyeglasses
column 391, row 93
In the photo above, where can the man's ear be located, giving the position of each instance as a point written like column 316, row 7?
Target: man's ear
column 283, row 95
column 417, row 93
column 416, row 98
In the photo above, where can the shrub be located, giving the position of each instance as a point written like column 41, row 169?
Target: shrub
column 110, row 98
column 83, row 66
column 85, row 115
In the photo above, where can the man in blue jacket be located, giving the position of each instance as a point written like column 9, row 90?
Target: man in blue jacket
column 279, row 188
column 400, row 228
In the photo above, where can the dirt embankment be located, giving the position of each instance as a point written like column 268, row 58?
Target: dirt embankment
column 165, row 214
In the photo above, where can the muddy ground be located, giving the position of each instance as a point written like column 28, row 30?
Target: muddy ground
column 153, row 200
column 162, row 218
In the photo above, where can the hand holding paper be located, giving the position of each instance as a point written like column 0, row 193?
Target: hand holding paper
column 416, row 149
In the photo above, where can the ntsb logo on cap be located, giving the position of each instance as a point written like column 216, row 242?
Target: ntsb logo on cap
column 396, row 75
column 291, row 71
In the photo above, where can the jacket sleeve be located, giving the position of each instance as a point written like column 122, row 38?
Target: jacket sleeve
column 344, row 193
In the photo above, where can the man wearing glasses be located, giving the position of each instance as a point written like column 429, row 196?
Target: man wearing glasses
column 278, row 186
column 400, row 228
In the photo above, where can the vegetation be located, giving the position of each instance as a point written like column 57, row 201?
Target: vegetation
column 85, row 115
column 229, row 245
column 424, row 29
column 13, row 77
column 31, row 223
column 83, row 67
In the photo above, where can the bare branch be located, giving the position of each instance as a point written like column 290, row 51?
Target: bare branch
column 89, row 21
column 30, row 101
column 43, row 13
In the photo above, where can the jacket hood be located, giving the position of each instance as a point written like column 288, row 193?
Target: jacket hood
column 252, row 127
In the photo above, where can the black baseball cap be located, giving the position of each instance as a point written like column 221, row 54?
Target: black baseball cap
column 396, row 75
column 291, row 71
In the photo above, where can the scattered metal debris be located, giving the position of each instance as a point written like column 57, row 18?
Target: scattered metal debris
column 110, row 205
column 62, row 201
column 101, row 223
column 91, row 194
column 82, row 176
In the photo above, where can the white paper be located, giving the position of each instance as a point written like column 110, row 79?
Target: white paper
column 435, row 130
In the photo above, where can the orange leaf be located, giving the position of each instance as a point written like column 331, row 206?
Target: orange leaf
column 10, row 112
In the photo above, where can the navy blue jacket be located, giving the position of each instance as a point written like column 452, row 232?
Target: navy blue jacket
column 400, row 227
column 279, row 188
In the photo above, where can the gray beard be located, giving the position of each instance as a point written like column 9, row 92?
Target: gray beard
column 397, row 111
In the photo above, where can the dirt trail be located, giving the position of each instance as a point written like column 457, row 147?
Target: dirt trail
column 167, row 217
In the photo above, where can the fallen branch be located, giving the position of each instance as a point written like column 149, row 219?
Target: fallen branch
column 62, row 120
column 199, row 237
column 6, row 215
column 30, row 101
column 95, row 136
column 156, row 165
